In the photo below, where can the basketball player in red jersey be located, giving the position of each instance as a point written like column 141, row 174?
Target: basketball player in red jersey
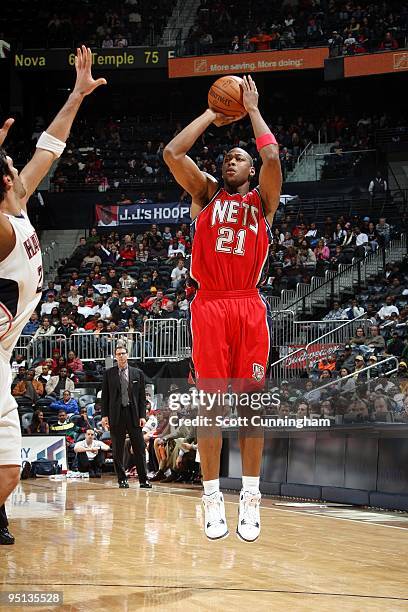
column 229, row 327
column 21, row 272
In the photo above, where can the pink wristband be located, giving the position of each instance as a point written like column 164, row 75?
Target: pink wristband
column 265, row 140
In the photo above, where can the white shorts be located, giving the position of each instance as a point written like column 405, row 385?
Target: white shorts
column 10, row 431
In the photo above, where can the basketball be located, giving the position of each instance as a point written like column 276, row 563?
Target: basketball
column 225, row 96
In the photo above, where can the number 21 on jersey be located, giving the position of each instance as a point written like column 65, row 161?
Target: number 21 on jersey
column 229, row 241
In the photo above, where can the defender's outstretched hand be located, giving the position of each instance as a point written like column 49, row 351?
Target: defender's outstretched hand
column 85, row 83
column 4, row 130
column 251, row 96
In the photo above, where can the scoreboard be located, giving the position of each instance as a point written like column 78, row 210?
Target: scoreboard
column 126, row 58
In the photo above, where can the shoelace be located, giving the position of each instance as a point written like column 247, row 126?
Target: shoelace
column 214, row 511
column 250, row 513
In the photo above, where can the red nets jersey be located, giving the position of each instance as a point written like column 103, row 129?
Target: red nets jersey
column 231, row 242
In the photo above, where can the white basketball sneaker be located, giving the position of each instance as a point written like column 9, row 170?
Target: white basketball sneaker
column 215, row 522
column 249, row 520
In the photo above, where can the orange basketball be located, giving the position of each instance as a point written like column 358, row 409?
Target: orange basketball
column 225, row 96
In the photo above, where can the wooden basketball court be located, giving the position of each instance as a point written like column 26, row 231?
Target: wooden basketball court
column 110, row 549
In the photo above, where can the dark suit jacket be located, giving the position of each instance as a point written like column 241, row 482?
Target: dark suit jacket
column 112, row 398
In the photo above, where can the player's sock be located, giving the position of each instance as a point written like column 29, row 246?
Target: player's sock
column 211, row 486
column 251, row 484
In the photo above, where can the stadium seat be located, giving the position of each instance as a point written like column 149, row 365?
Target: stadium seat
column 26, row 419
column 43, row 402
column 84, row 400
column 24, row 402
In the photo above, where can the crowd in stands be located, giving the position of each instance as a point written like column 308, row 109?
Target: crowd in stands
column 355, row 384
column 339, row 384
column 302, row 249
column 220, row 25
column 113, row 283
column 347, row 27
column 118, row 154
column 104, row 24
column 348, row 402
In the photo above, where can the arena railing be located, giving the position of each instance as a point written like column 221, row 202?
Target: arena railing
column 193, row 49
column 44, row 347
column 289, row 366
column 342, row 330
column 333, row 339
column 331, row 287
column 24, row 347
column 377, row 368
column 400, row 190
column 136, row 183
column 286, row 330
column 318, row 208
column 298, row 362
column 385, row 136
column 348, row 161
column 50, row 257
column 169, row 339
column 308, row 150
column 161, row 339
column 97, row 347
column 184, row 343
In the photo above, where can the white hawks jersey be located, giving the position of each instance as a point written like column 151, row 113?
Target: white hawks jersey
column 21, row 279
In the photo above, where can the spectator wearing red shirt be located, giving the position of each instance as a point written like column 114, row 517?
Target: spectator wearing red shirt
column 262, row 41
column 190, row 291
column 128, row 255
column 74, row 364
column 89, row 299
column 299, row 230
column 91, row 325
column 148, row 302
column 389, row 42
column 60, row 364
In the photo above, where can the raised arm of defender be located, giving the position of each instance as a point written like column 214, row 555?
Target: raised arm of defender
column 33, row 173
column 4, row 129
column 270, row 175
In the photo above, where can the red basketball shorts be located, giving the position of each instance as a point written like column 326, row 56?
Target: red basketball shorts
column 230, row 339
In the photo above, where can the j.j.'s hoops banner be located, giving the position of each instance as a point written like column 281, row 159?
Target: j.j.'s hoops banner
column 138, row 214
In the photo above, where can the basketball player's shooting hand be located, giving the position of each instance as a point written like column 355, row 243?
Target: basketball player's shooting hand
column 250, row 96
column 220, row 119
column 4, row 130
column 85, row 83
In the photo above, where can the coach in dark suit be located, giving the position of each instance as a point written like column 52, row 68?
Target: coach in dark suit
column 124, row 410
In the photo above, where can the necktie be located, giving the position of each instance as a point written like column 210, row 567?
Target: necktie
column 124, row 387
